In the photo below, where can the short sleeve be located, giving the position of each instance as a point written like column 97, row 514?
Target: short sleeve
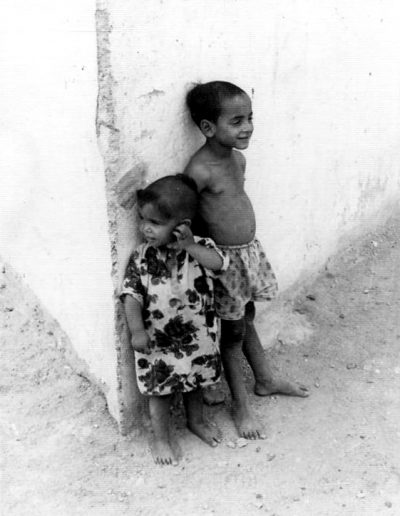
column 132, row 283
column 208, row 242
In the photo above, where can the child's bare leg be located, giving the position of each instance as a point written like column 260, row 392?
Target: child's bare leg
column 163, row 451
column 232, row 333
column 213, row 395
column 265, row 383
column 196, row 422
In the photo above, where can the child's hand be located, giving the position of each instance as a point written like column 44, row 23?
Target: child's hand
column 184, row 237
column 141, row 342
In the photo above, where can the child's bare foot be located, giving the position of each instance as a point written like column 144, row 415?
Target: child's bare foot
column 163, row 452
column 280, row 387
column 213, row 395
column 247, row 424
column 176, row 449
column 208, row 432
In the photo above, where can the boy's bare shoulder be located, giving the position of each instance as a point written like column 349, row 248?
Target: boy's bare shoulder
column 198, row 169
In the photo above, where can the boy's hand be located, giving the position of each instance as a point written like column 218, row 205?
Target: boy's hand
column 184, row 237
column 141, row 342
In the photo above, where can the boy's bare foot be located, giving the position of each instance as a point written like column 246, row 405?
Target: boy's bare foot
column 280, row 387
column 247, row 425
column 208, row 432
column 213, row 395
column 163, row 452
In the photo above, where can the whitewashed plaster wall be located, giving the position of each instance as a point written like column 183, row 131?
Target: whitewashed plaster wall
column 325, row 84
column 324, row 158
column 53, row 222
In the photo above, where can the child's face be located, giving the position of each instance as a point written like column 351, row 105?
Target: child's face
column 156, row 229
column 234, row 126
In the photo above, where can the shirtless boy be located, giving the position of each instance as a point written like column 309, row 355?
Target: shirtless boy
column 223, row 112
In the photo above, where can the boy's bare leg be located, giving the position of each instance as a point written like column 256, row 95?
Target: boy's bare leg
column 232, row 333
column 196, row 422
column 164, row 451
column 265, row 383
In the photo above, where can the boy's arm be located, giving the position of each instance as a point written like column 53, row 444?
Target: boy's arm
column 199, row 174
column 140, row 340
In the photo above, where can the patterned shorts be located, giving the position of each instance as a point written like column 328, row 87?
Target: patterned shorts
column 249, row 277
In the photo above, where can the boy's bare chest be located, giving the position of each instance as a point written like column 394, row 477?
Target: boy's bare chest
column 229, row 182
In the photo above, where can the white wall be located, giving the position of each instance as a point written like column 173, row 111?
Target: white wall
column 325, row 83
column 53, row 222
column 324, row 159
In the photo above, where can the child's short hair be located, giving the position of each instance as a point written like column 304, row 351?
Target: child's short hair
column 204, row 100
column 174, row 196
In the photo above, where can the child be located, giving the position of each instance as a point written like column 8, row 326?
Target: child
column 168, row 298
column 224, row 115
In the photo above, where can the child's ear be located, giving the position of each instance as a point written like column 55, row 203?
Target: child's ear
column 207, row 128
column 187, row 222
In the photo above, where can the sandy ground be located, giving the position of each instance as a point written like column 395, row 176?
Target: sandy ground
column 335, row 453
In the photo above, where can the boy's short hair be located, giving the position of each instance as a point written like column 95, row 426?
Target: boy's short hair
column 204, row 100
column 174, row 196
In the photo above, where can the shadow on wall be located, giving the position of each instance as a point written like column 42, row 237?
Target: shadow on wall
column 133, row 406
column 129, row 183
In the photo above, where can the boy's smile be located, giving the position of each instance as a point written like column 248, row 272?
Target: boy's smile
column 234, row 126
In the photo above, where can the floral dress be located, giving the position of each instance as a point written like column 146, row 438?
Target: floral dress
column 176, row 294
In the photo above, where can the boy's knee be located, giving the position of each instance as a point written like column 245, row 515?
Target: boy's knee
column 250, row 312
column 232, row 332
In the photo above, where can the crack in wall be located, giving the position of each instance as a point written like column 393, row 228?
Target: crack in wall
column 131, row 405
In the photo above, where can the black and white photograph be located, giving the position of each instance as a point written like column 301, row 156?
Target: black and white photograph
column 200, row 258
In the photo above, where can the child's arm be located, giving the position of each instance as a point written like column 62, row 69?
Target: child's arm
column 208, row 258
column 140, row 340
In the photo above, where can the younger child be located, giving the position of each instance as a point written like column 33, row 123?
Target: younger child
column 168, row 298
column 223, row 112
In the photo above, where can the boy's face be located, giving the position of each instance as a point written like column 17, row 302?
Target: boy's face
column 156, row 229
column 234, row 126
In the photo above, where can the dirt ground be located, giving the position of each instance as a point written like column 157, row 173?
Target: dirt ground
column 335, row 453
